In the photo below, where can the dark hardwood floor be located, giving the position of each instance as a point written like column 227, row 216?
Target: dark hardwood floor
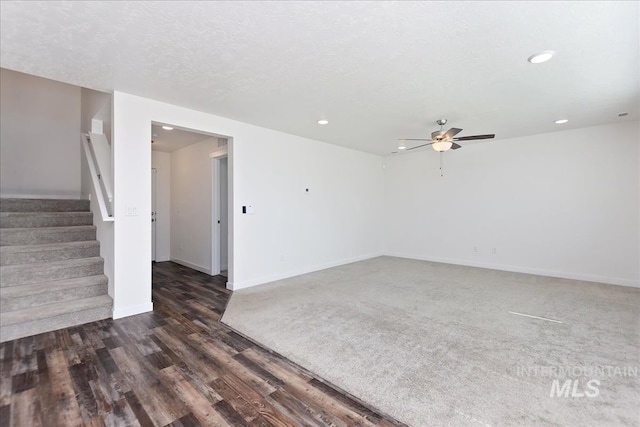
column 175, row 366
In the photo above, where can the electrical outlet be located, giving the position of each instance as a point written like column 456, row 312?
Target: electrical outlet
column 475, row 249
column 493, row 251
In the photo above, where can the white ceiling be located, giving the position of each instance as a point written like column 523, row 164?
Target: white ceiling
column 378, row 71
column 172, row 140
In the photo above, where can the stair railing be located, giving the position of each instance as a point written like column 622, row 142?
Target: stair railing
column 97, row 152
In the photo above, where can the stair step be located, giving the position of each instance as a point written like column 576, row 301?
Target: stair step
column 44, row 205
column 44, row 219
column 44, row 293
column 29, row 254
column 46, row 318
column 22, row 274
column 44, row 235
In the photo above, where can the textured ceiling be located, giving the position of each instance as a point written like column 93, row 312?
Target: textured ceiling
column 172, row 140
column 378, row 71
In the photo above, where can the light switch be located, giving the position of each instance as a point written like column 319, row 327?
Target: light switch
column 132, row 211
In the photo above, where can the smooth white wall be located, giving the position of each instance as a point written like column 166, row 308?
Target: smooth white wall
column 191, row 188
column 562, row 204
column 161, row 161
column 95, row 105
column 92, row 103
column 292, row 232
column 131, row 150
column 40, row 134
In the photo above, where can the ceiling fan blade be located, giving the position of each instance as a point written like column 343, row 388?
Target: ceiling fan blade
column 456, row 146
column 451, row 133
column 469, row 138
column 414, row 139
column 418, row 146
column 435, row 134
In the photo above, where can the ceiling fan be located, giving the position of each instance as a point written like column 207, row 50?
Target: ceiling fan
column 443, row 141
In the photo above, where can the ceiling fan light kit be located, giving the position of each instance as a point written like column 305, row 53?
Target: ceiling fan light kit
column 442, row 146
column 442, row 141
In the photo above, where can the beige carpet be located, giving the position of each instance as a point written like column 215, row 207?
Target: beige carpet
column 435, row 344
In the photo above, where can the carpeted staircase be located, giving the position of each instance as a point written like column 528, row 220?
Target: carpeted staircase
column 51, row 272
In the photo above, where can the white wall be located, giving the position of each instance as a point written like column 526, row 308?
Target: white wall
column 292, row 232
column 40, row 134
column 191, row 187
column 95, row 105
column 162, row 163
column 562, row 204
column 224, row 214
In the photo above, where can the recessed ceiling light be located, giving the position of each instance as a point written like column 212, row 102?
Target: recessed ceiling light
column 561, row 121
column 323, row 122
column 402, row 145
column 167, row 128
column 541, row 57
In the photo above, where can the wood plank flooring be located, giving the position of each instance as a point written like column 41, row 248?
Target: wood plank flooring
column 177, row 366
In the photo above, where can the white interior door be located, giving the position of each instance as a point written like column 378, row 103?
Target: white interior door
column 219, row 212
column 223, row 208
column 154, row 219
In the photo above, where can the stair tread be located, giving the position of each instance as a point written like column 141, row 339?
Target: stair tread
column 52, row 286
column 49, row 246
column 54, row 264
column 64, row 213
column 43, row 205
column 52, row 310
column 51, row 229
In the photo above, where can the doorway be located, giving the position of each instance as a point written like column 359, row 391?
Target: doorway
column 189, row 198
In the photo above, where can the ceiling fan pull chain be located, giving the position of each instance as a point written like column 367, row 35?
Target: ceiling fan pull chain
column 441, row 164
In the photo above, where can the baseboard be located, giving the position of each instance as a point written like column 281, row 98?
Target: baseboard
column 132, row 310
column 272, row 278
column 519, row 269
column 163, row 259
column 190, row 265
column 43, row 196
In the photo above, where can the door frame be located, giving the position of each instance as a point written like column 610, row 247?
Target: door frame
column 215, row 157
